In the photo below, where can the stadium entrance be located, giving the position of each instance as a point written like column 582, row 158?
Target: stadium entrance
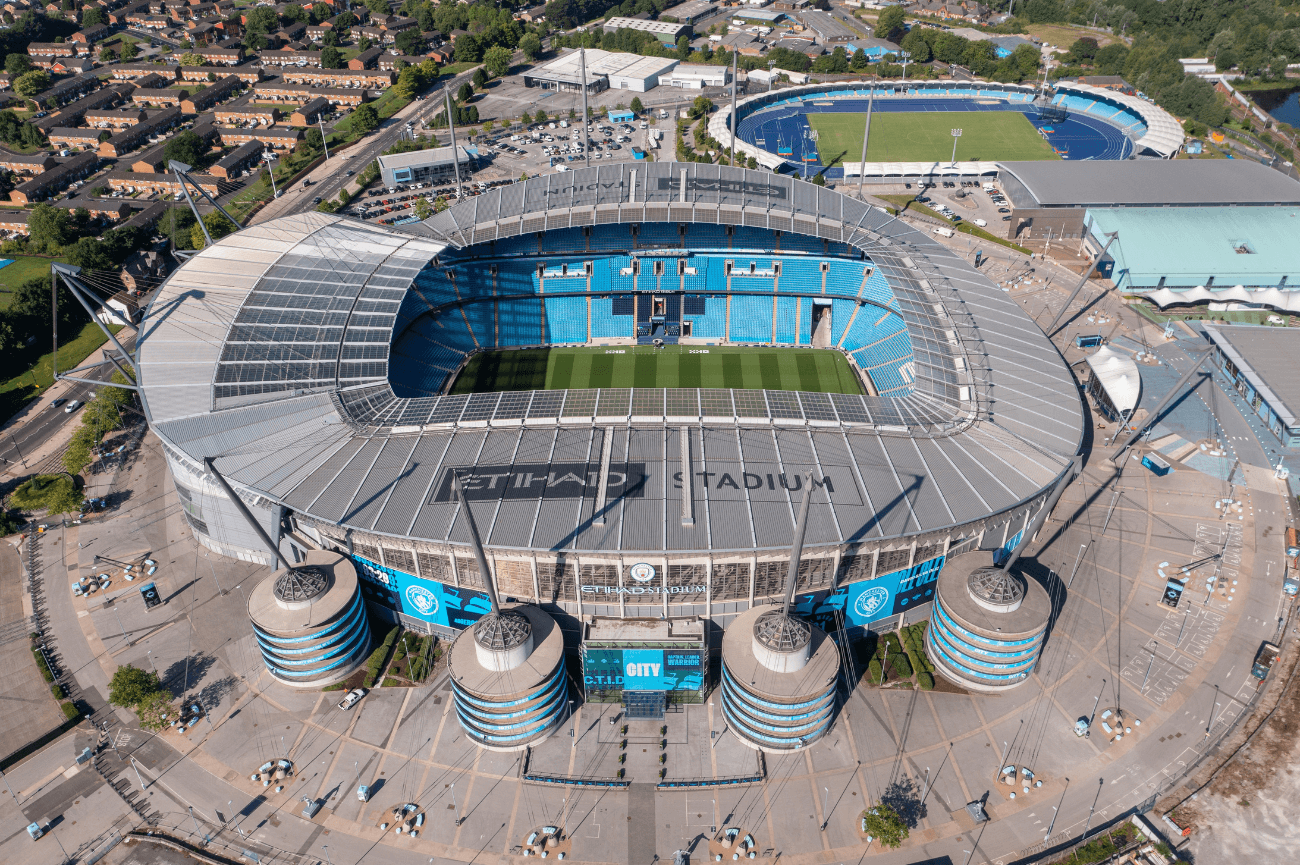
column 645, row 664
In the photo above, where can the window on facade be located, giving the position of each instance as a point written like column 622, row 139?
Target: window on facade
column 892, row 560
column 467, row 571
column 434, row 566
column 366, row 551
column 769, row 578
column 399, row 560
column 814, row 574
column 514, row 578
column 731, row 581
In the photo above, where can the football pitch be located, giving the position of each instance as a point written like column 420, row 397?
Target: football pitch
column 741, row 368
column 926, row 136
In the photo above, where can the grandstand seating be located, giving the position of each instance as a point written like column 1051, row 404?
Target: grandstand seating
column 491, row 296
column 566, row 319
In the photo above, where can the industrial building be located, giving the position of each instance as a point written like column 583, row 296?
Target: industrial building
column 696, row 76
column 665, row 31
column 606, row 70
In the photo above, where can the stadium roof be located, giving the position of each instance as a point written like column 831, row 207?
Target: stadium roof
column 268, row 351
column 1266, row 356
column 1151, row 183
column 1164, row 135
column 1185, row 247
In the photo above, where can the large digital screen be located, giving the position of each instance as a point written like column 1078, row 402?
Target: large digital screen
column 427, row 600
column 643, row 669
column 871, row 600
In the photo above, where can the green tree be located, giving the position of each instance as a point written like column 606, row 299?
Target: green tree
column 91, row 17
column 468, row 49
column 465, row 93
column 187, row 147
column 480, row 78
column 819, row 179
column 637, row 106
column 531, row 45
column 752, row 163
column 423, row 208
column 683, row 47
column 331, row 58
column 129, row 51
column 189, row 58
column 331, row 38
column 363, row 44
column 701, row 106
column 882, row 822
column 218, row 227
column 497, row 60
column 107, row 55
column 409, row 41
column 31, row 83
column 56, row 494
column 914, row 43
column 365, row 118
column 131, row 686
column 890, row 24
column 17, row 64
column 49, row 229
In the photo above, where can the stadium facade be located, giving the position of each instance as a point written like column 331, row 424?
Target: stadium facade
column 285, row 351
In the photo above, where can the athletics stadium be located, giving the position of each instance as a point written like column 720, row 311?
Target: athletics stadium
column 637, row 372
column 820, row 127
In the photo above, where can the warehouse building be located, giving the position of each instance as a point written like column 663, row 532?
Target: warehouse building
column 606, row 70
column 696, row 76
column 665, row 31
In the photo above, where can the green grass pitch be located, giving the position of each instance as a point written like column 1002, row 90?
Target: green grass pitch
column 741, row 368
column 926, row 136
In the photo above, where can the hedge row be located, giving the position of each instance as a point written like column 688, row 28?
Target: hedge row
column 375, row 663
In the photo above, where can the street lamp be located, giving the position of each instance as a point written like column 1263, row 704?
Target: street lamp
column 956, row 133
column 1056, row 810
column 826, row 801
column 270, row 158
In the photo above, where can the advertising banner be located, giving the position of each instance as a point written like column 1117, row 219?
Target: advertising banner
column 427, row 600
column 871, row 600
column 643, row 669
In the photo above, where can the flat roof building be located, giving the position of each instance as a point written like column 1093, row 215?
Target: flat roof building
column 696, row 76
column 1261, row 361
column 692, row 11
column 1049, row 199
column 606, row 70
column 421, row 166
column 664, row 31
column 1212, row 247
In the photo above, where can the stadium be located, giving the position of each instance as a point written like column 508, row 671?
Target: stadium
column 696, row 344
column 820, row 127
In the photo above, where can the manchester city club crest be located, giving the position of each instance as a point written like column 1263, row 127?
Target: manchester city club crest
column 871, row 602
column 641, row 572
column 422, row 599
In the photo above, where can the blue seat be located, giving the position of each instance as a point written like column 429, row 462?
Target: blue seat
column 566, row 319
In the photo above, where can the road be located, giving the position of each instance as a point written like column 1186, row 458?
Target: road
column 45, row 421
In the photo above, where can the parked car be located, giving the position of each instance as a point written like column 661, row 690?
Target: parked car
column 352, row 698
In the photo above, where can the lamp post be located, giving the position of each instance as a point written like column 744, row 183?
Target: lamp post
column 271, row 158
column 826, row 803
column 956, row 133
column 1056, row 810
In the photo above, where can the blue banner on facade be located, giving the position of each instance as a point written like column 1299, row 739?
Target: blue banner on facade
column 643, row 669
column 427, row 600
column 871, row 600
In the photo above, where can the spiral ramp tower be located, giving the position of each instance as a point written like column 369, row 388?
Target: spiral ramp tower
column 310, row 621
column 507, row 669
column 779, row 672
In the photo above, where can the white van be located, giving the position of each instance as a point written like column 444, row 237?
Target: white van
column 945, row 232
column 989, row 187
column 980, row 222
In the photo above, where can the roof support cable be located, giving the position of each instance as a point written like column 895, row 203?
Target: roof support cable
column 182, row 174
column 1050, row 330
column 69, row 275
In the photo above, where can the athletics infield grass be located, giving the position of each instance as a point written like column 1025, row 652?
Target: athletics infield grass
column 742, row 368
column 927, row 137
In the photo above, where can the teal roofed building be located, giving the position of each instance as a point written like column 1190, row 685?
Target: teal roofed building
column 1209, row 247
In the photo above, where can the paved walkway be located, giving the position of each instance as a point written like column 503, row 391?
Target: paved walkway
column 27, row 708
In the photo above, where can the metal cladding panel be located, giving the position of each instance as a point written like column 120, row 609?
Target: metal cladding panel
column 893, row 511
column 378, row 482
column 434, row 519
column 678, row 536
column 535, row 446
column 643, row 525
column 296, row 462
column 337, row 497
column 412, row 485
column 514, row 524
column 958, row 492
column 852, row 509
column 773, row 524
column 974, row 466
column 228, row 433
column 795, row 447
column 927, row 500
column 729, row 524
column 557, row 521
column 306, row 492
column 483, row 514
column 499, row 449
column 647, row 446
column 1032, row 470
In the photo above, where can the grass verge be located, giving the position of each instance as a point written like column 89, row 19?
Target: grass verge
column 32, row 382
column 25, row 267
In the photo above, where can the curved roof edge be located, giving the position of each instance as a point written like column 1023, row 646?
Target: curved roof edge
column 1164, row 135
